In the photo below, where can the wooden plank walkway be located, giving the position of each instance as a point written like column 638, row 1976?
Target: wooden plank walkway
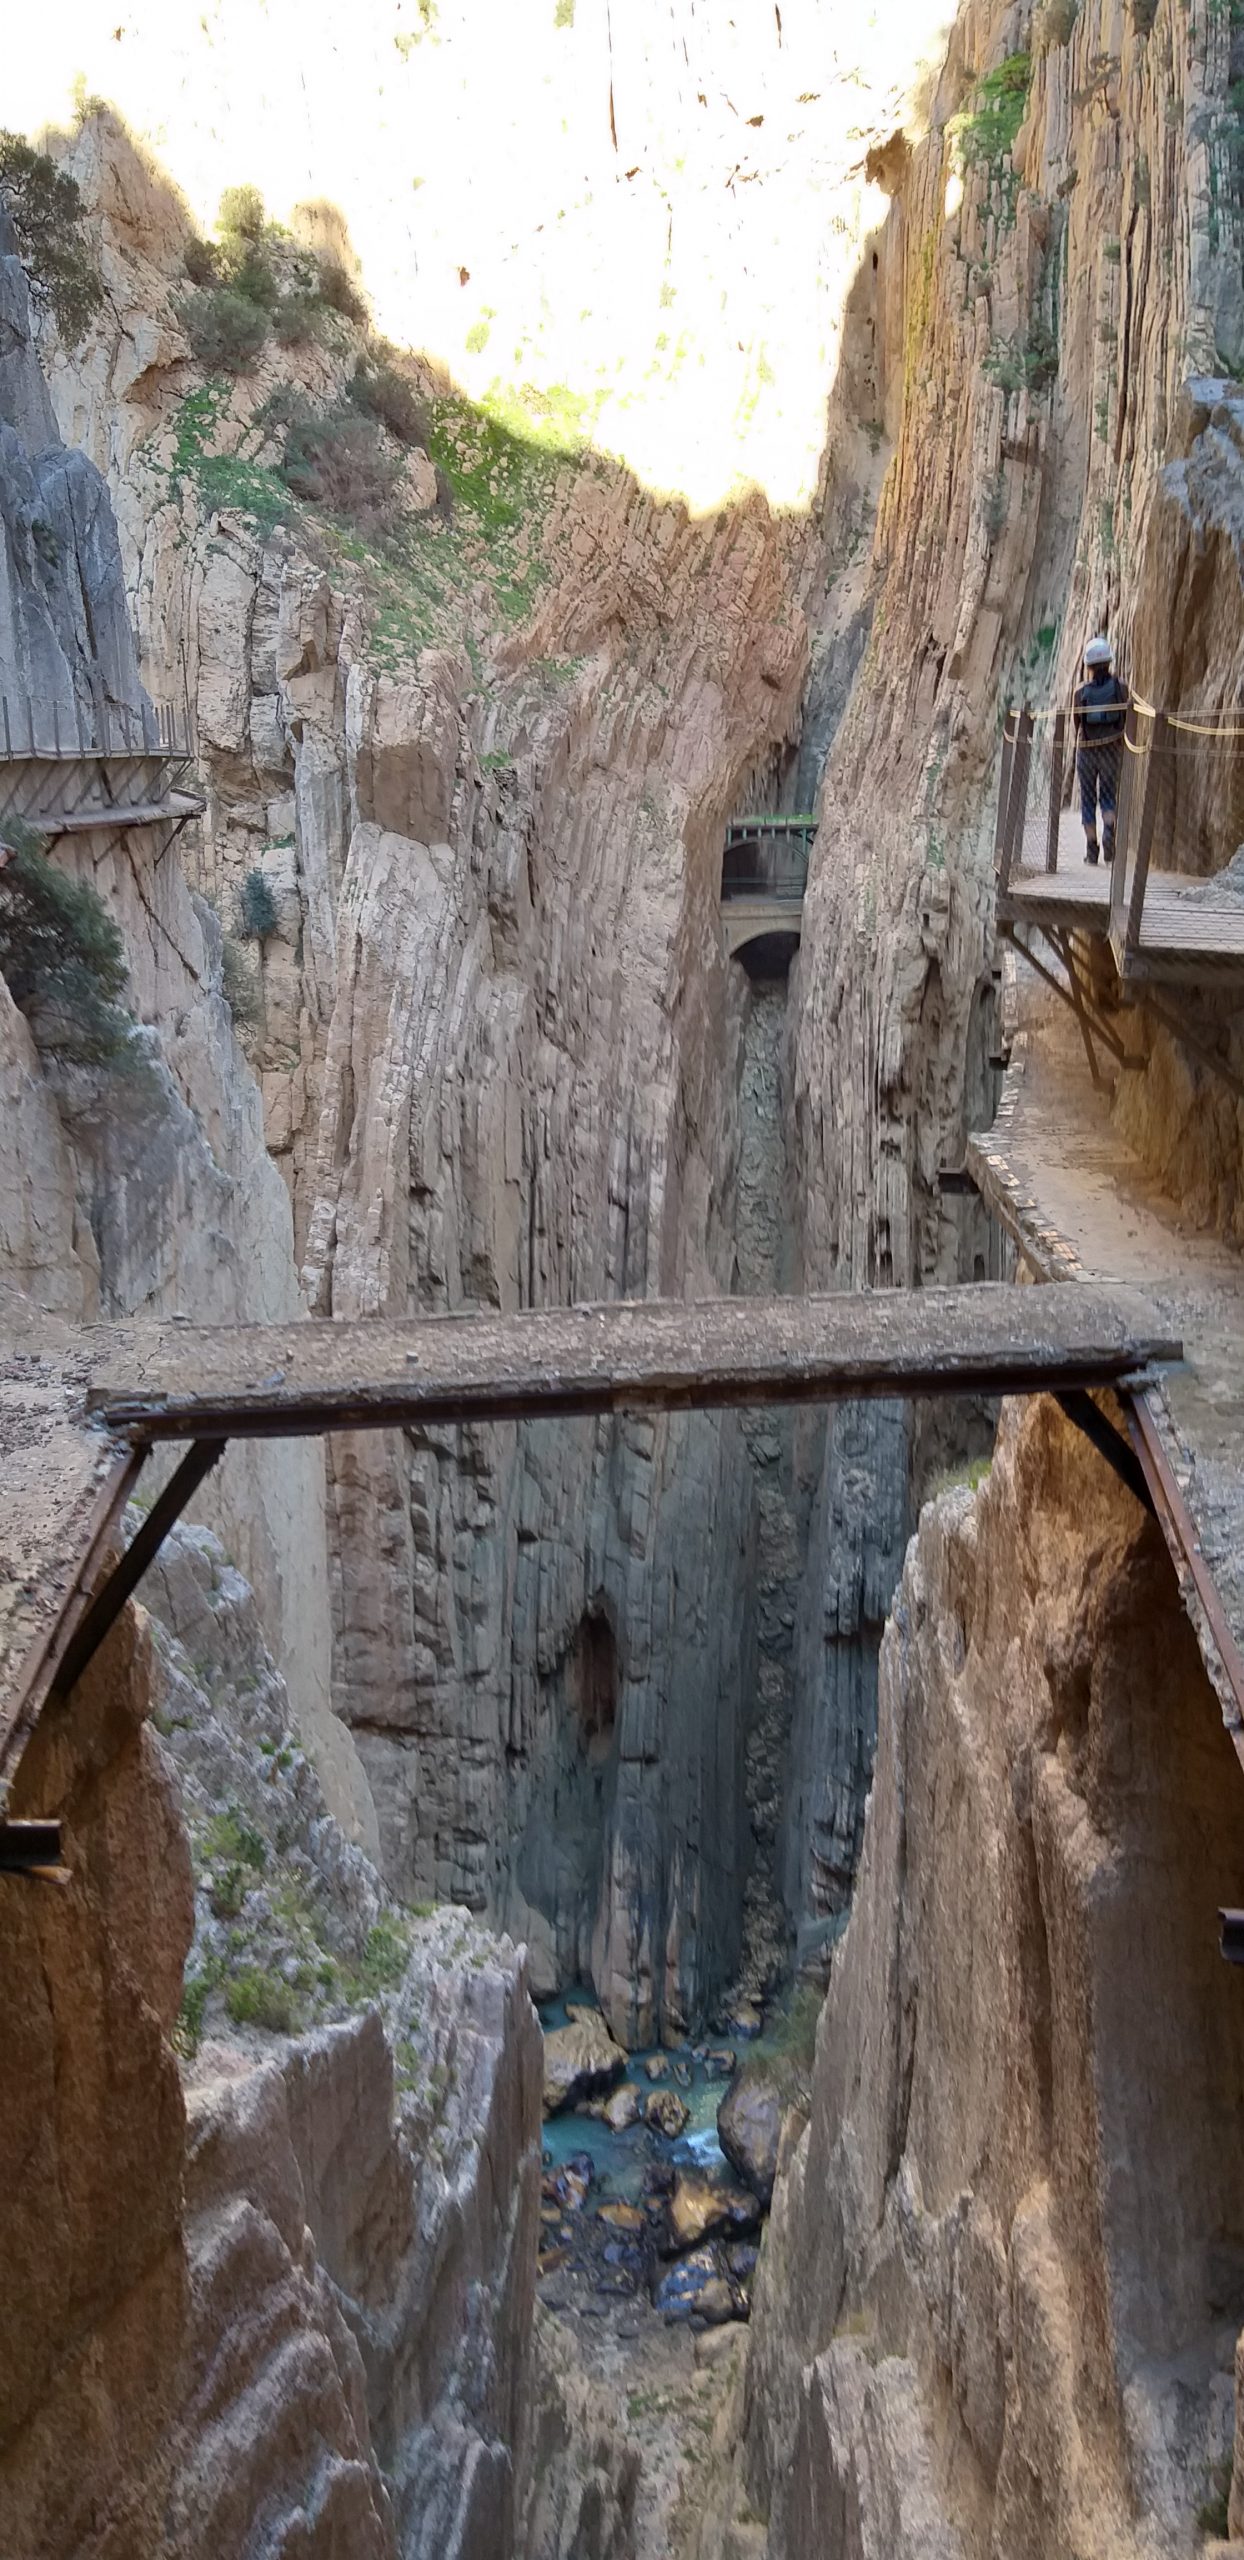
column 143, row 813
column 62, row 1487
column 164, row 1382
column 80, row 1407
column 1190, row 928
column 1080, row 1206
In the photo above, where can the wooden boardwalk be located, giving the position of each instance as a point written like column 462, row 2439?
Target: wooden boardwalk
column 164, row 1382
column 1191, row 930
column 1078, row 1206
column 80, row 1408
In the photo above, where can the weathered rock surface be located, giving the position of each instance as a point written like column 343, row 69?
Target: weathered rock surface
column 749, row 2126
column 579, row 2060
column 702, row 2207
column 990, row 2314
column 306, row 2295
column 150, row 1189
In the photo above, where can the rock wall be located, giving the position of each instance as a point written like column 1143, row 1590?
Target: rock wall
column 292, row 2308
column 146, row 1187
column 1047, row 283
column 499, row 1053
column 1001, row 2285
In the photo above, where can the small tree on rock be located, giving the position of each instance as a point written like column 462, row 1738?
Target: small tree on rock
column 61, row 956
column 257, row 915
column 49, row 218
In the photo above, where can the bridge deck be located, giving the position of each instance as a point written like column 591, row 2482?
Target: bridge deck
column 79, row 1408
column 164, row 1382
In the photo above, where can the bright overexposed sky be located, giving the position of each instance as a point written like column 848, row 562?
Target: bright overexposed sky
column 680, row 267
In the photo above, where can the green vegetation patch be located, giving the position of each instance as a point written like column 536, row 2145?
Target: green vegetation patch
column 987, row 128
column 257, row 915
column 224, row 479
column 50, row 221
column 1023, row 364
column 252, row 282
column 62, row 957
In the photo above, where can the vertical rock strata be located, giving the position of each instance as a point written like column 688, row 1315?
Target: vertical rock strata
column 152, row 1189
column 1002, row 2280
column 293, row 2308
column 1052, row 271
column 498, row 1053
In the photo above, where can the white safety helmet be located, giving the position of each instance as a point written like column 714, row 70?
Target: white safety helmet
column 1098, row 653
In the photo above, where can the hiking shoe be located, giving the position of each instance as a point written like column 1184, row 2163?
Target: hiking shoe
column 1108, row 849
column 1090, row 849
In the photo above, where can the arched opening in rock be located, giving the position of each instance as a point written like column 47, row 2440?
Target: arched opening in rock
column 768, row 955
column 595, row 1683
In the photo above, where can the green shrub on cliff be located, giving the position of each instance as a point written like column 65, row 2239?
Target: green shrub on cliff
column 338, row 459
column 49, row 219
column 257, row 915
column 252, row 282
column 61, row 956
column 380, row 390
column 987, row 128
column 227, row 332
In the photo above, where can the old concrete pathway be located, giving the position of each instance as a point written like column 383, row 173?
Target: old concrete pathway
column 1078, row 1204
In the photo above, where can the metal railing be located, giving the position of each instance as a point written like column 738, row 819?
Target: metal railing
column 49, row 732
column 1179, row 812
column 767, row 858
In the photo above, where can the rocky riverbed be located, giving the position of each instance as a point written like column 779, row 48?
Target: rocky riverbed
column 658, row 2166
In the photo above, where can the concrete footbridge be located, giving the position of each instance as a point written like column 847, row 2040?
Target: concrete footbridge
column 84, row 1410
column 764, row 873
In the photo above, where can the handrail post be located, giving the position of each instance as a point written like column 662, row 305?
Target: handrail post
column 1055, row 810
column 1001, row 835
column 1123, row 817
column 1148, row 824
column 1018, row 809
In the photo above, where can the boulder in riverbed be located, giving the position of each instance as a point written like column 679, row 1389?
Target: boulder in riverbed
column 620, row 2217
column 698, row 2287
column 621, row 2108
column 579, row 2061
column 665, row 2112
column 700, row 2208
column 749, row 2126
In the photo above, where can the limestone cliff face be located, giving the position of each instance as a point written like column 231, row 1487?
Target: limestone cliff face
column 152, row 1188
column 1049, row 279
column 292, row 2307
column 997, row 2303
column 1048, row 301
column 499, row 1052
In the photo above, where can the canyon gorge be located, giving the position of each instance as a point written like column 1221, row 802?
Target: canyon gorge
column 503, row 450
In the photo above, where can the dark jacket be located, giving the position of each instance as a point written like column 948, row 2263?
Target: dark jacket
column 1100, row 709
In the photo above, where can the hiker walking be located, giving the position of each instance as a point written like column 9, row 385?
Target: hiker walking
column 1100, row 707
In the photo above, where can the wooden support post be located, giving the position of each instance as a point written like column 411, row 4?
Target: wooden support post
column 1123, row 818
column 1018, row 809
column 1055, row 811
column 1001, row 839
column 1154, row 773
column 1062, row 944
column 108, row 1603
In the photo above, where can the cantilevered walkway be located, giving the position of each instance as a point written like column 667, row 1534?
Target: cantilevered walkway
column 82, row 1411
column 1163, row 925
column 112, row 768
column 1079, row 1205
